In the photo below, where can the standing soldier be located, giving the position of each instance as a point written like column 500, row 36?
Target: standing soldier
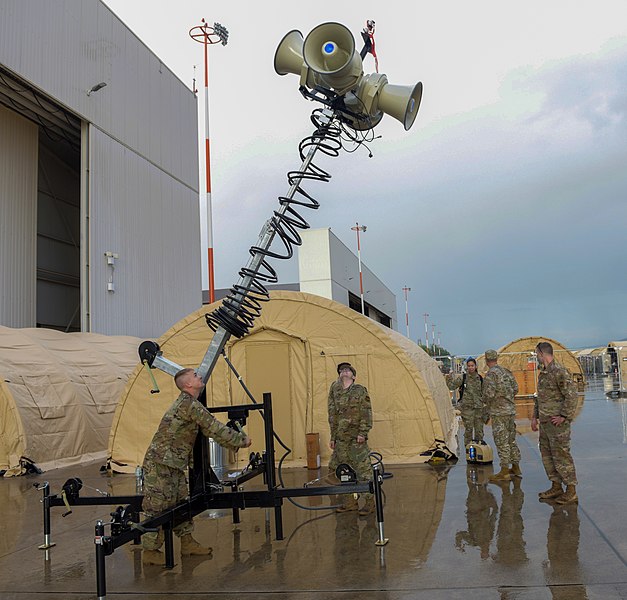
column 470, row 400
column 555, row 408
column 169, row 454
column 350, row 420
column 499, row 390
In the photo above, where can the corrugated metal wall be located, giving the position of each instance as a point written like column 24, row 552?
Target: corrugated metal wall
column 67, row 46
column 140, row 195
column 151, row 222
column 18, row 219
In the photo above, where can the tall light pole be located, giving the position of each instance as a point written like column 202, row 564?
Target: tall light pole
column 359, row 228
column 406, row 290
column 425, row 315
column 439, row 343
column 433, row 337
column 207, row 35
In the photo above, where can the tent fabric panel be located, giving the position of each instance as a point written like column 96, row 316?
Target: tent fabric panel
column 12, row 438
column 267, row 370
column 45, row 397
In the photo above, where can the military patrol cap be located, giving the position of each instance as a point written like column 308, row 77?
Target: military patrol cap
column 344, row 365
column 491, row 355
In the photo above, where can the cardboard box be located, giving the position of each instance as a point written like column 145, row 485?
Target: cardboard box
column 313, row 450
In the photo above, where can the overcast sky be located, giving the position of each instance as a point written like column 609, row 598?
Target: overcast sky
column 504, row 208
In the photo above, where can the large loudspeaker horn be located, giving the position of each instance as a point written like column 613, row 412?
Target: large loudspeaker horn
column 288, row 57
column 401, row 102
column 329, row 50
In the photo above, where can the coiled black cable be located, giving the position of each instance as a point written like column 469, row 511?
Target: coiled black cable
column 243, row 304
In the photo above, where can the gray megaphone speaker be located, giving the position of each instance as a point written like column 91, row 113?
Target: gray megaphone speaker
column 288, row 57
column 329, row 51
column 401, row 102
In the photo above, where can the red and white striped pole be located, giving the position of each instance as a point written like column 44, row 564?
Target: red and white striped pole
column 359, row 228
column 212, row 294
column 406, row 290
column 209, row 35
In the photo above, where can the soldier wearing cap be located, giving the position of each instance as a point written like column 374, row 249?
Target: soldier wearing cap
column 169, row 454
column 350, row 420
column 499, row 390
column 554, row 410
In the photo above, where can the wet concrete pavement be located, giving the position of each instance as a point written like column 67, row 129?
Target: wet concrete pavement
column 452, row 536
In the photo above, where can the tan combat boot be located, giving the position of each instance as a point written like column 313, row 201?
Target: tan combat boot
column 367, row 508
column 190, row 547
column 515, row 471
column 153, row 557
column 348, row 505
column 555, row 491
column 502, row 475
column 569, row 496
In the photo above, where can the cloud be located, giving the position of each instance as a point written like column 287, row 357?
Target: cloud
column 587, row 89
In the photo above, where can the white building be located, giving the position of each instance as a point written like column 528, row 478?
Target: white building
column 99, row 211
column 328, row 268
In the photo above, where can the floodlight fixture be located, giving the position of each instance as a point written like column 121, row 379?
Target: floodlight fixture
column 222, row 32
column 96, row 87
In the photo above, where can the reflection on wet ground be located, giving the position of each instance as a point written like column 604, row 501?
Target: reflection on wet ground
column 452, row 535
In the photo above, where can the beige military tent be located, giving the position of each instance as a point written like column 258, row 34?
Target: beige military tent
column 58, row 392
column 292, row 352
column 519, row 357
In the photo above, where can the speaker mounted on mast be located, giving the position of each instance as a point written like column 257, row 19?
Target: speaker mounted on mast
column 331, row 72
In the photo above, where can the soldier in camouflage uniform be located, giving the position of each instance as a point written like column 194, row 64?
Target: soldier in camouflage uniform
column 470, row 400
column 169, row 454
column 554, row 409
column 499, row 390
column 350, row 420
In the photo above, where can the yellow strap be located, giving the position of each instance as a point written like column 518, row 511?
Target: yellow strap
column 155, row 388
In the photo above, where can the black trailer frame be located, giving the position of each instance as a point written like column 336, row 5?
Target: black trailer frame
column 206, row 493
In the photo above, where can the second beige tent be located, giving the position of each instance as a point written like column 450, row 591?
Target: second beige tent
column 519, row 357
column 292, row 352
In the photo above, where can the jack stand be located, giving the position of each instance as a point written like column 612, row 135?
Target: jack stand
column 169, row 545
column 45, row 488
column 101, row 578
column 377, row 480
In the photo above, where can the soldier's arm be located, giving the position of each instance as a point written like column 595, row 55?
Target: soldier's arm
column 453, row 381
column 568, row 390
column 211, row 427
column 514, row 385
column 365, row 415
column 489, row 387
column 332, row 414
column 536, row 410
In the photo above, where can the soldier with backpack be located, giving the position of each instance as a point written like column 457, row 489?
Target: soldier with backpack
column 470, row 402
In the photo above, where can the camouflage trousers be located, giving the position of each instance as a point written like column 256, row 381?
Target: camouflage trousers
column 354, row 454
column 472, row 418
column 504, row 432
column 163, row 488
column 555, row 451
